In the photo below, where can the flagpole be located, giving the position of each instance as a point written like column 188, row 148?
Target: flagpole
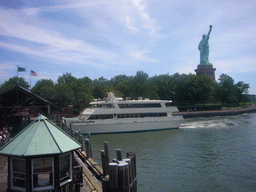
column 17, row 75
column 17, row 103
column 30, row 80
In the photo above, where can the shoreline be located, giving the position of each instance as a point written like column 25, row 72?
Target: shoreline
column 226, row 112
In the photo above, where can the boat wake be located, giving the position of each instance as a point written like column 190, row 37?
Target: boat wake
column 214, row 122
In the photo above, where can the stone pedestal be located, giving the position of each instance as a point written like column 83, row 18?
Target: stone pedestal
column 206, row 70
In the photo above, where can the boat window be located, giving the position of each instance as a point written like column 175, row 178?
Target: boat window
column 101, row 117
column 140, row 105
column 169, row 104
column 142, row 115
column 103, row 106
column 128, row 115
column 110, row 106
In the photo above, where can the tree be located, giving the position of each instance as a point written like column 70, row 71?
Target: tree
column 225, row 91
column 115, row 81
column 165, row 86
column 100, row 87
column 86, row 80
column 12, row 82
column 48, row 93
column 66, row 78
column 142, row 87
column 200, row 89
column 40, row 84
column 64, row 95
column 83, row 94
column 241, row 88
column 181, row 89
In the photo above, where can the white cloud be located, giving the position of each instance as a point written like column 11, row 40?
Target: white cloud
column 138, row 55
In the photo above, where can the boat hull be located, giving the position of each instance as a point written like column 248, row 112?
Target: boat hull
column 123, row 127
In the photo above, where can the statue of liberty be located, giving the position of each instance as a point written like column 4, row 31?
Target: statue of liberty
column 204, row 49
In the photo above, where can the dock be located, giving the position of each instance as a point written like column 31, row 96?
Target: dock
column 116, row 176
column 226, row 112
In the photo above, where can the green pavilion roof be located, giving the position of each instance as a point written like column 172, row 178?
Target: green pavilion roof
column 41, row 137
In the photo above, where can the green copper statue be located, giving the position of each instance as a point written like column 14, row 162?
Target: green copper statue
column 204, row 49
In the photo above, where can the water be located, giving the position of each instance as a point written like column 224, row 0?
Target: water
column 205, row 154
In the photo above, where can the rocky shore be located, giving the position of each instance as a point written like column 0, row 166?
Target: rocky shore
column 226, row 112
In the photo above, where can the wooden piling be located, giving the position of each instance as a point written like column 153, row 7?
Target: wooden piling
column 72, row 133
column 119, row 154
column 129, row 169
column 122, row 173
column 123, row 176
column 76, row 135
column 118, row 176
column 113, row 176
column 88, row 148
column 104, row 163
column 106, row 150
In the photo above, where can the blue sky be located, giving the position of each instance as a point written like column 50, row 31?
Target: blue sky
column 96, row 38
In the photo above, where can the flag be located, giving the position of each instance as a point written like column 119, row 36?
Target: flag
column 33, row 73
column 20, row 69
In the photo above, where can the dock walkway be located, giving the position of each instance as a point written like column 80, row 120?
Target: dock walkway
column 226, row 112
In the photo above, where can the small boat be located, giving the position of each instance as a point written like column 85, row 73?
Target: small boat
column 114, row 115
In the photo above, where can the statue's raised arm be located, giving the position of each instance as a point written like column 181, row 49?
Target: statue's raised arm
column 209, row 31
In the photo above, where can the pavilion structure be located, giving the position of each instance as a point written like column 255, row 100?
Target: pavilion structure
column 21, row 99
column 40, row 158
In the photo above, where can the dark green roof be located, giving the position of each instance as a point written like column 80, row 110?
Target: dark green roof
column 41, row 137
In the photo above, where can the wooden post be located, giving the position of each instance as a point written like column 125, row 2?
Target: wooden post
column 104, row 163
column 90, row 145
column 83, row 143
column 107, row 154
column 88, row 148
column 65, row 123
column 89, row 136
column 80, row 139
column 76, row 135
column 123, row 175
column 132, row 156
column 61, row 123
column 119, row 154
column 66, row 126
column 129, row 170
column 72, row 133
column 113, row 176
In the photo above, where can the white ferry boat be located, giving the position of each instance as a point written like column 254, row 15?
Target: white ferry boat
column 113, row 115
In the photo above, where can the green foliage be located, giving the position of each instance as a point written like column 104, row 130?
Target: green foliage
column 48, row 93
column 200, row 89
column 83, row 94
column 12, row 82
column 66, row 78
column 37, row 89
column 183, row 89
column 229, row 93
column 64, row 95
